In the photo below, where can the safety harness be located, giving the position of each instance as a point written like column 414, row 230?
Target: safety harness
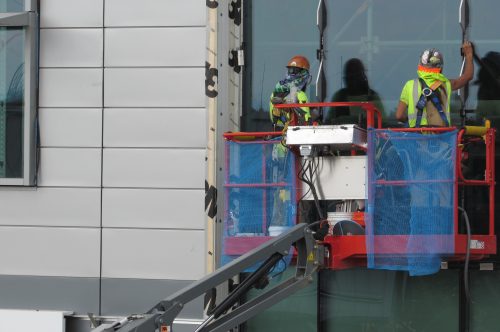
column 429, row 93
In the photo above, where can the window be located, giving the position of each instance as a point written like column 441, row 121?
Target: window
column 272, row 39
column 387, row 37
column 18, row 86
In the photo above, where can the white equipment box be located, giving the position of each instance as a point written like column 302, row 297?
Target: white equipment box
column 341, row 137
column 340, row 178
column 32, row 320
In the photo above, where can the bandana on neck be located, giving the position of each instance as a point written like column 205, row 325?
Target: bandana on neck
column 430, row 77
column 298, row 80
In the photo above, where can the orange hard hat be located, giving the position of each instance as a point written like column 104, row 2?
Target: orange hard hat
column 299, row 61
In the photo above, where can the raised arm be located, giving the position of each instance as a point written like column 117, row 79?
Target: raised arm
column 468, row 73
column 401, row 112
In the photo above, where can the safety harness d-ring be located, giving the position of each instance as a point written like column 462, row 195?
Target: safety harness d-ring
column 427, row 91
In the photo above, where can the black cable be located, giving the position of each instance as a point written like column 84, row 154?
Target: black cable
column 299, row 176
column 466, row 270
column 309, row 182
column 280, row 272
column 246, row 285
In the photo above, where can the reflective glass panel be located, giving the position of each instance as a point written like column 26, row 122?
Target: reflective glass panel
column 484, row 32
column 388, row 37
column 10, row 6
column 11, row 102
column 275, row 31
column 298, row 312
column 369, row 300
column 485, row 292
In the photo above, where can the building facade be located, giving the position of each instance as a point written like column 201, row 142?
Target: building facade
column 124, row 104
column 115, row 221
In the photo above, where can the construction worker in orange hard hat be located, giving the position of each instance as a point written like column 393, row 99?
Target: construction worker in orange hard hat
column 425, row 101
column 291, row 90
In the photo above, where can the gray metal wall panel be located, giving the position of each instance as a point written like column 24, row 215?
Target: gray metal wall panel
column 155, row 127
column 81, row 87
column 143, row 47
column 70, row 127
column 71, row 13
column 154, row 87
column 154, row 13
column 50, row 251
column 153, row 254
column 71, row 48
column 125, row 296
column 69, row 207
column 80, row 295
column 153, row 208
column 71, row 99
column 68, row 167
column 154, row 168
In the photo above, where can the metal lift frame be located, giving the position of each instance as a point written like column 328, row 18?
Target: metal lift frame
column 310, row 257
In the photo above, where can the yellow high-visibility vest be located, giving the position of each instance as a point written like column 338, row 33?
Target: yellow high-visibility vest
column 413, row 90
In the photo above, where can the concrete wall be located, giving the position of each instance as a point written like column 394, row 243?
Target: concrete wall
column 117, row 220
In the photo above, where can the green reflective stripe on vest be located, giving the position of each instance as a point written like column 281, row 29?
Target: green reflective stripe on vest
column 302, row 97
column 413, row 100
column 412, row 109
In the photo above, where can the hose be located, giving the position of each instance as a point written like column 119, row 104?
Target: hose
column 466, row 269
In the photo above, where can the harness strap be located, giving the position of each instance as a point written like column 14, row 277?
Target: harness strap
column 428, row 93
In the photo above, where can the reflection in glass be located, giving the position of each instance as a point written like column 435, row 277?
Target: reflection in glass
column 485, row 292
column 11, row 102
column 484, row 33
column 388, row 37
column 11, row 6
column 297, row 312
column 390, row 301
column 357, row 89
column 273, row 35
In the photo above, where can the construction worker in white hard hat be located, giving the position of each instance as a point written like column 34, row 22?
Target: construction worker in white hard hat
column 291, row 90
column 425, row 101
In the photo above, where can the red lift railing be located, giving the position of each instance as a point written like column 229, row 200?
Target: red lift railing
column 349, row 251
column 368, row 107
column 238, row 245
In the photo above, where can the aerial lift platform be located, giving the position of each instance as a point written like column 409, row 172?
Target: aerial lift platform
column 317, row 245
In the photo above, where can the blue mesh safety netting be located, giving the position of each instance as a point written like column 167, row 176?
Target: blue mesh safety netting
column 410, row 200
column 260, row 194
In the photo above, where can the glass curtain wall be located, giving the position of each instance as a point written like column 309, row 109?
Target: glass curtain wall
column 274, row 31
column 11, row 101
column 485, row 99
column 11, row 6
column 11, row 94
column 387, row 38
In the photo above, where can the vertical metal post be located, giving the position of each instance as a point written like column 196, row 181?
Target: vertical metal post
column 490, row 140
column 464, row 25
column 3, row 132
column 30, row 99
column 369, row 35
column 264, row 190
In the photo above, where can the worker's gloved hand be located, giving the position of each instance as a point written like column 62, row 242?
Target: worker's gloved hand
column 315, row 115
column 467, row 49
column 277, row 100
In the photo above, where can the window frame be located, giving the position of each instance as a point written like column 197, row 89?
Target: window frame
column 28, row 21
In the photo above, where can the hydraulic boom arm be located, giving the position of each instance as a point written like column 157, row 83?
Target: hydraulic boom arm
column 310, row 257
